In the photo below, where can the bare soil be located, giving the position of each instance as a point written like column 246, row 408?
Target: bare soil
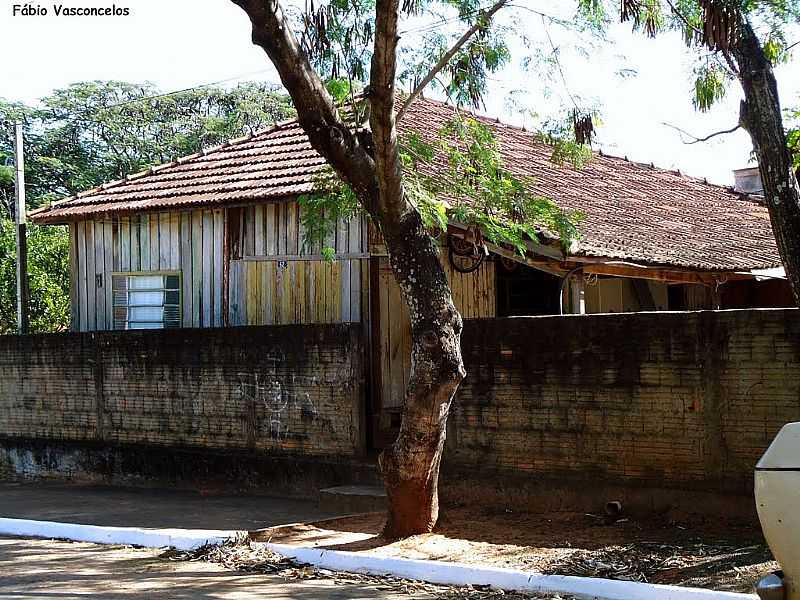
column 722, row 555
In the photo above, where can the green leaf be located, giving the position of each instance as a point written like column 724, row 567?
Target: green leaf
column 338, row 88
column 710, row 86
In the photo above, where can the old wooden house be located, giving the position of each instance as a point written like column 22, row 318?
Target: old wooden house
column 215, row 239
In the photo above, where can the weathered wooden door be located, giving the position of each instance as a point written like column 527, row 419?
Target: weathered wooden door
column 474, row 296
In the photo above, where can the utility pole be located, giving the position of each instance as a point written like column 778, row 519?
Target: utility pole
column 22, row 238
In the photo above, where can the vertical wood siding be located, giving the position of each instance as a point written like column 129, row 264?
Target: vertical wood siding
column 474, row 295
column 277, row 279
column 185, row 242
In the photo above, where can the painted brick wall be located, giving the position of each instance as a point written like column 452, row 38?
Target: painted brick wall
column 691, row 399
column 291, row 388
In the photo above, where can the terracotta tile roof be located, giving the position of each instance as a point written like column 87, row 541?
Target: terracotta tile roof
column 633, row 212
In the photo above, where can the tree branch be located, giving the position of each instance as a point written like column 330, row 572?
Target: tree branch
column 683, row 18
column 382, row 118
column 697, row 140
column 447, row 56
column 316, row 110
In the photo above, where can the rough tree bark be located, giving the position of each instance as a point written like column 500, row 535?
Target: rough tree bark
column 410, row 467
column 760, row 115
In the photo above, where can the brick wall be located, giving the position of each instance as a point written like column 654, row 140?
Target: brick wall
column 291, row 388
column 665, row 399
column 687, row 401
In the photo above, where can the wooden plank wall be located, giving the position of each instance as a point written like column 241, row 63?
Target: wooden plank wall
column 186, row 242
column 276, row 279
column 474, row 294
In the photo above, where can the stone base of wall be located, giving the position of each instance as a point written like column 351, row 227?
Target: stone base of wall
column 206, row 470
column 218, row 472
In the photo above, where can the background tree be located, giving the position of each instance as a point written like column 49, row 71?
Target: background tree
column 92, row 132
column 48, row 275
column 793, row 138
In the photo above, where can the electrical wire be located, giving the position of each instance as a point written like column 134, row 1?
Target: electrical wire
column 82, row 119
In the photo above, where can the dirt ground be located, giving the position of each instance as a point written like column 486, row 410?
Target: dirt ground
column 720, row 555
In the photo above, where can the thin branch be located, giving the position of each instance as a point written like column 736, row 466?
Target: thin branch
column 697, row 140
column 683, row 18
column 558, row 64
column 447, row 56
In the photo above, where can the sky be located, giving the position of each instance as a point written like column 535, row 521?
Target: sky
column 177, row 44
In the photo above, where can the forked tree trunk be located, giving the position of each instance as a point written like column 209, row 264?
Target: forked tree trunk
column 410, row 466
column 370, row 164
column 760, row 115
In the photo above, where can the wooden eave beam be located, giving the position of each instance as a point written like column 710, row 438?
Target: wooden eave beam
column 662, row 274
column 533, row 247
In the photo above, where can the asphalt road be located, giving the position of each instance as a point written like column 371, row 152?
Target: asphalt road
column 56, row 570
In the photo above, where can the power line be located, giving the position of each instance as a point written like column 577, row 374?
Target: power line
column 183, row 91
column 83, row 119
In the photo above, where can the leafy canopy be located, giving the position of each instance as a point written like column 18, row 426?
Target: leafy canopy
column 793, row 137
column 48, row 275
column 458, row 172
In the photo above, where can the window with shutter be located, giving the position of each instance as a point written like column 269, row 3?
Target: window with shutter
column 146, row 300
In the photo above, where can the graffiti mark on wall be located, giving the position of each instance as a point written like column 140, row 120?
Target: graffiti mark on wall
column 280, row 399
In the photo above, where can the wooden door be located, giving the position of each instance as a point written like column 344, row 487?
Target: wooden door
column 475, row 297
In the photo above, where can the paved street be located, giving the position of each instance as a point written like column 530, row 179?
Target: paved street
column 151, row 508
column 44, row 569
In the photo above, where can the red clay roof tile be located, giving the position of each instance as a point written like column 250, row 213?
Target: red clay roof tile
column 633, row 212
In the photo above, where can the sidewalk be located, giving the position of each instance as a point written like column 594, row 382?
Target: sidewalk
column 150, row 508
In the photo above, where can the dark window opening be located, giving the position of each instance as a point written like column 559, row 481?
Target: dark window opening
column 523, row 291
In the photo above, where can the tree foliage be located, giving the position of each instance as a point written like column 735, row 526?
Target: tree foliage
column 93, row 132
column 793, row 137
column 48, row 276
column 457, row 173
column 474, row 188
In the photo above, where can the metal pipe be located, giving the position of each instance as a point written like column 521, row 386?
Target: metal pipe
column 563, row 285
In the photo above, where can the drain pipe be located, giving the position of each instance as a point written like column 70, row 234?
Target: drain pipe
column 563, row 285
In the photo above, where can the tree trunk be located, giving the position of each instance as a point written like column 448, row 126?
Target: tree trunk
column 373, row 169
column 410, row 467
column 760, row 115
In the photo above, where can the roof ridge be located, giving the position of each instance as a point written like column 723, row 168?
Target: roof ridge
column 160, row 167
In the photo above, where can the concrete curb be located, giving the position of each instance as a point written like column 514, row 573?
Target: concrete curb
column 337, row 560
column 181, row 539
column 506, row 579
